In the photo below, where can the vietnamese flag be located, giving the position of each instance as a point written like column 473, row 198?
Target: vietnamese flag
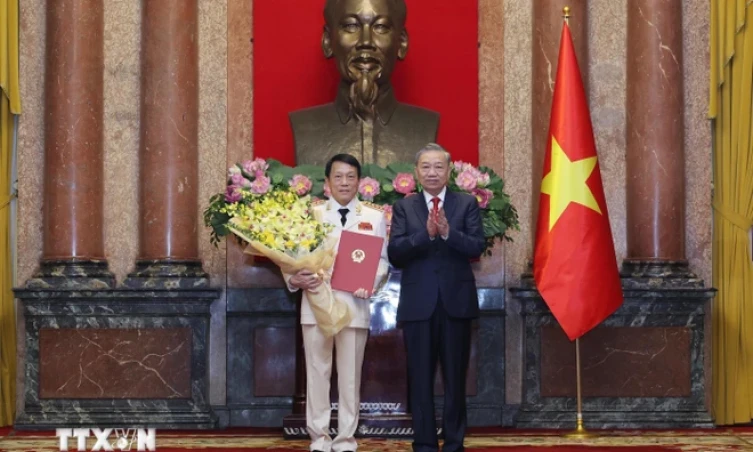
column 574, row 263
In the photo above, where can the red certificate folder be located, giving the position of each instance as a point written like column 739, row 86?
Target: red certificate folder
column 357, row 262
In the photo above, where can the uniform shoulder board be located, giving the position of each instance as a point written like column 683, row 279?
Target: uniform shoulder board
column 371, row 205
column 318, row 202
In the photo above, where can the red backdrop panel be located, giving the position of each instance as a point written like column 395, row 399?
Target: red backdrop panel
column 439, row 73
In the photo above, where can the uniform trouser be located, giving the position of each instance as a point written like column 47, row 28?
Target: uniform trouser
column 349, row 344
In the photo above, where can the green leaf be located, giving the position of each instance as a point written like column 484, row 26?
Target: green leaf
column 274, row 164
column 380, row 174
column 310, row 171
column 396, row 168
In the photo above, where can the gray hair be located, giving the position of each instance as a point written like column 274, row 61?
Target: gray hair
column 432, row 147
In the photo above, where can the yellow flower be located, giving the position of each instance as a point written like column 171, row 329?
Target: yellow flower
column 280, row 220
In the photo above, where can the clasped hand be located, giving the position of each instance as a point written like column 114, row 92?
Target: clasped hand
column 437, row 224
column 306, row 280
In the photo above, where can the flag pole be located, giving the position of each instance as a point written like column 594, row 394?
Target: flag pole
column 580, row 431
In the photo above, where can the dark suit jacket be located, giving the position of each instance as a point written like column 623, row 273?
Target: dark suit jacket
column 436, row 269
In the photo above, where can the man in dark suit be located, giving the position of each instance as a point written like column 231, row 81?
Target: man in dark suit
column 434, row 235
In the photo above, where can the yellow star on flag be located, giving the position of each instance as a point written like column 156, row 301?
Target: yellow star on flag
column 566, row 183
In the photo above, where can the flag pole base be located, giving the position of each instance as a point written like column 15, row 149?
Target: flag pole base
column 580, row 432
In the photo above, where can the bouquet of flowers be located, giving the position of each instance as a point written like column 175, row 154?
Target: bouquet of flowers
column 272, row 214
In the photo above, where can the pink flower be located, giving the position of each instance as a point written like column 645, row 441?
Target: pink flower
column 327, row 191
column 248, row 166
column 257, row 167
column 459, row 165
column 260, row 185
column 483, row 179
column 404, row 183
column 233, row 193
column 300, row 184
column 466, row 180
column 368, row 188
column 233, row 170
column 261, row 164
column 483, row 196
column 239, row 180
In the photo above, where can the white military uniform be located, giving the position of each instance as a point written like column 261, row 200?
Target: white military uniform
column 350, row 342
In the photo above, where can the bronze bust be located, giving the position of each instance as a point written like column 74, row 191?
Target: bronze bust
column 366, row 38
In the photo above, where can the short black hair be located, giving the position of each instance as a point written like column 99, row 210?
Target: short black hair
column 399, row 5
column 342, row 158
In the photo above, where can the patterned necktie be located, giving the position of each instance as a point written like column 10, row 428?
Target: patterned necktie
column 343, row 214
column 435, row 200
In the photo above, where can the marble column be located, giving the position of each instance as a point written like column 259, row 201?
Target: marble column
column 73, row 251
column 547, row 29
column 168, row 244
column 655, row 161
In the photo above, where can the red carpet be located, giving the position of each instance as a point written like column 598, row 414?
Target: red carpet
column 505, row 449
column 502, row 440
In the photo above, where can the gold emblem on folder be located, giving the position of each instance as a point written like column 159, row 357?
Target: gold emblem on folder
column 358, row 256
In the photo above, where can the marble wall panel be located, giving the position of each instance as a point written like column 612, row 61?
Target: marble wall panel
column 273, row 360
column 114, row 363
column 618, row 362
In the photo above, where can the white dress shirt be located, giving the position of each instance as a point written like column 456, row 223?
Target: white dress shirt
column 428, row 197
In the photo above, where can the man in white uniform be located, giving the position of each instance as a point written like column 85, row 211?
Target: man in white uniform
column 346, row 213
